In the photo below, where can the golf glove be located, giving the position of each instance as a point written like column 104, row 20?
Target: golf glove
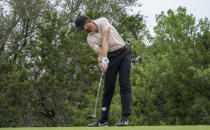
column 105, row 61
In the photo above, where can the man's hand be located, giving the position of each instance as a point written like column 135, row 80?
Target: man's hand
column 100, row 59
column 102, row 67
column 103, row 63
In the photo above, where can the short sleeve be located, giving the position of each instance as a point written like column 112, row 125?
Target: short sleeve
column 104, row 24
column 92, row 43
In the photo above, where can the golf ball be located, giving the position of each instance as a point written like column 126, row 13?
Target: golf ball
column 103, row 108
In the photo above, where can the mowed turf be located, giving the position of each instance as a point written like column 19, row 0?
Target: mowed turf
column 196, row 127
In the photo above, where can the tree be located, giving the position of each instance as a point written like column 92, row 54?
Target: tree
column 47, row 63
column 170, row 91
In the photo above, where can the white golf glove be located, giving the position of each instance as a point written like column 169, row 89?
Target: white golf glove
column 105, row 61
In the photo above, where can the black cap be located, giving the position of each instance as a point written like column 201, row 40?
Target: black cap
column 80, row 22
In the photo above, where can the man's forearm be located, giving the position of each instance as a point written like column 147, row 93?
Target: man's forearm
column 98, row 51
column 102, row 56
column 105, row 45
column 102, row 51
column 104, row 48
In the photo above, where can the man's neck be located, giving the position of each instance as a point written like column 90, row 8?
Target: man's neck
column 94, row 28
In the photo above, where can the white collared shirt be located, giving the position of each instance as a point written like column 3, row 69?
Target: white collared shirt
column 114, row 40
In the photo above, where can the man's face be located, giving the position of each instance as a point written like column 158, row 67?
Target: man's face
column 87, row 27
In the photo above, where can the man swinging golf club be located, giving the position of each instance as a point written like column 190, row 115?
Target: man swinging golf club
column 113, row 57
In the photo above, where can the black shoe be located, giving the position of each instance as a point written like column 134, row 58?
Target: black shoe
column 98, row 124
column 123, row 121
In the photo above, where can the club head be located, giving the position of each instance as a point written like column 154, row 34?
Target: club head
column 92, row 116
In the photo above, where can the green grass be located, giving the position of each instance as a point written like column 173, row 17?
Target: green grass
column 196, row 127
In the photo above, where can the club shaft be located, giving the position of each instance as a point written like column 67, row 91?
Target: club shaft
column 99, row 86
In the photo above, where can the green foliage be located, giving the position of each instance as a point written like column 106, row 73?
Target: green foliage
column 174, row 76
column 49, row 75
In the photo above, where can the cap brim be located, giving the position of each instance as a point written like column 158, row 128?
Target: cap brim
column 79, row 29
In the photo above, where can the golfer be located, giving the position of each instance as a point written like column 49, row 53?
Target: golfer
column 113, row 57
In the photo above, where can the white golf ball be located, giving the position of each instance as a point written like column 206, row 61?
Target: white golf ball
column 103, row 108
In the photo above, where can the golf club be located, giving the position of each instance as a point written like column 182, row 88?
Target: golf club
column 94, row 115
